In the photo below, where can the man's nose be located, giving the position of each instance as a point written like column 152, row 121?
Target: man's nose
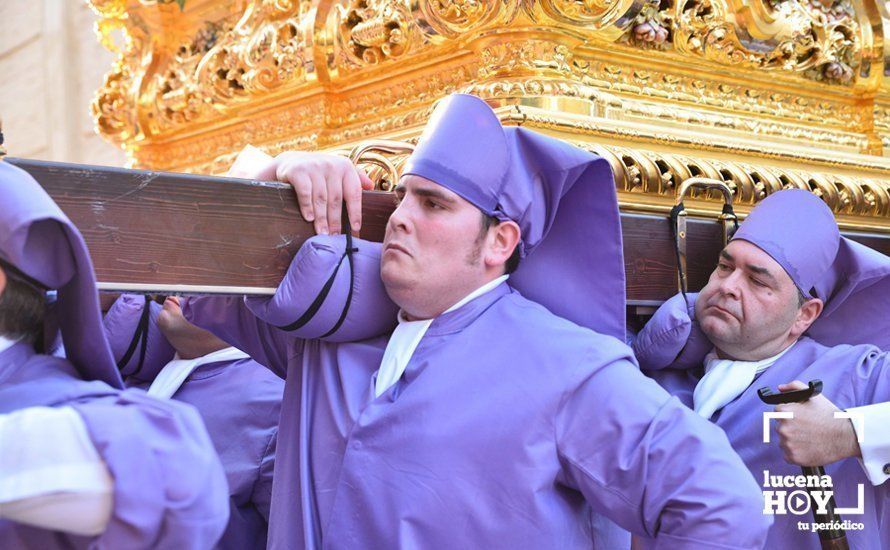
column 731, row 284
column 398, row 220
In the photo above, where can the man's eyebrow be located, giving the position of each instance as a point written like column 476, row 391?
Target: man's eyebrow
column 760, row 271
column 726, row 256
column 432, row 193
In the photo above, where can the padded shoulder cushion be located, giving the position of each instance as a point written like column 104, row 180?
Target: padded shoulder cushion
column 139, row 347
column 331, row 295
column 672, row 338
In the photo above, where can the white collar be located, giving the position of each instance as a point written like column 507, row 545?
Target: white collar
column 757, row 366
column 6, row 343
column 174, row 373
column 407, row 335
column 726, row 379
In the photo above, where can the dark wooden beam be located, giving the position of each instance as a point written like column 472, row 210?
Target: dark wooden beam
column 157, row 231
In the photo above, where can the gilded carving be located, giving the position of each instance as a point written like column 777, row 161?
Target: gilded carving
column 529, row 57
column 451, row 18
column 370, row 31
column 593, row 14
column 791, row 35
column 664, row 89
column 113, row 106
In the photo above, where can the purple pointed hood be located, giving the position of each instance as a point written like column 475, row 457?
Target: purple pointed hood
column 798, row 230
column 40, row 241
column 856, row 291
column 562, row 197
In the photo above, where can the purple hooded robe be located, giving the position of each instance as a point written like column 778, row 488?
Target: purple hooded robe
column 512, row 426
column 797, row 230
column 240, row 402
column 169, row 488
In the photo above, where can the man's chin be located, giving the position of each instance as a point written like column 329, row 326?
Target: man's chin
column 715, row 328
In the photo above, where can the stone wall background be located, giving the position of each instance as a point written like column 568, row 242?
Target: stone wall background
column 51, row 64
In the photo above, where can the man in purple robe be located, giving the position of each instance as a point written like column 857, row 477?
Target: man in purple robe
column 239, row 400
column 485, row 419
column 85, row 464
column 788, row 303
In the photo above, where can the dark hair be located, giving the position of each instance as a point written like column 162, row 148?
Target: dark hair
column 801, row 298
column 512, row 262
column 22, row 310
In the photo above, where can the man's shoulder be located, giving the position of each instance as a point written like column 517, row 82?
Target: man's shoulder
column 245, row 377
column 534, row 325
column 46, row 380
column 537, row 317
column 43, row 367
column 848, row 352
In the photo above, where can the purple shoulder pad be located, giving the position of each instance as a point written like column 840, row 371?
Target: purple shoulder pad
column 330, row 294
column 672, row 338
column 139, row 347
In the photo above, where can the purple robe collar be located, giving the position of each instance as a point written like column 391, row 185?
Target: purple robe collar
column 40, row 241
column 562, row 197
column 459, row 319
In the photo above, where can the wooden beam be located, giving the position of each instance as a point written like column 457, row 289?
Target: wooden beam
column 159, row 231
column 163, row 232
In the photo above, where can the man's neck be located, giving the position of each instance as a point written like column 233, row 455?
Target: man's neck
column 200, row 349
column 454, row 303
column 759, row 354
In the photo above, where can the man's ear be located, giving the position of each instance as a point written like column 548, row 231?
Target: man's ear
column 2, row 281
column 806, row 316
column 503, row 239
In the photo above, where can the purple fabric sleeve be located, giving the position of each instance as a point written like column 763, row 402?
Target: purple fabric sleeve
column 229, row 319
column 871, row 379
column 262, row 490
column 169, row 487
column 656, row 468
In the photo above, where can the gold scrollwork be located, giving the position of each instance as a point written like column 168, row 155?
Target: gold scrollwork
column 643, row 171
column 193, row 85
column 370, row 31
column 800, row 36
column 451, row 18
column 113, row 107
column 597, row 15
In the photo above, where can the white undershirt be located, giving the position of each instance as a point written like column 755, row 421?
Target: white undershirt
column 50, row 473
column 6, row 343
column 725, row 379
column 874, row 441
column 406, row 337
column 173, row 375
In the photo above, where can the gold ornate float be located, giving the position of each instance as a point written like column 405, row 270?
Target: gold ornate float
column 762, row 94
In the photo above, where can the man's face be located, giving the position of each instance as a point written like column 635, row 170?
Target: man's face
column 2, row 281
column 433, row 250
column 749, row 305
